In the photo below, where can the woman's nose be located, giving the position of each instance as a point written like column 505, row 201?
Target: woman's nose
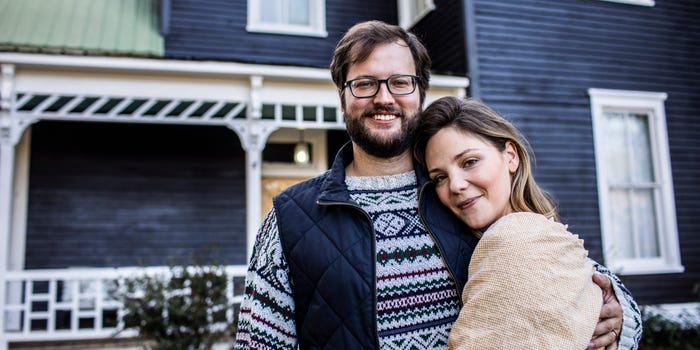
column 458, row 183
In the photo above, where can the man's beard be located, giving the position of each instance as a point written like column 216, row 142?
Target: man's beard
column 381, row 147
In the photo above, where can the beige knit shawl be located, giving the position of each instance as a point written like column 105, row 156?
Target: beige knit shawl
column 529, row 287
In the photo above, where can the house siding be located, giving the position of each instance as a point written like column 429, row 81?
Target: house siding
column 536, row 60
column 442, row 32
column 216, row 30
column 111, row 195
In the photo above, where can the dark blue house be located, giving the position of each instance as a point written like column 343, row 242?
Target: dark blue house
column 145, row 133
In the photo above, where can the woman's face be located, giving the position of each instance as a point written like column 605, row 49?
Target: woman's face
column 472, row 177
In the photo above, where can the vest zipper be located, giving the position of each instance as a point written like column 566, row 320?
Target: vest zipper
column 374, row 258
column 437, row 244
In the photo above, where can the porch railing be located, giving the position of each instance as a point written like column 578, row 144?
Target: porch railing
column 75, row 303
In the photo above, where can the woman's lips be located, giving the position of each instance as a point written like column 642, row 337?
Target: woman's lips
column 466, row 204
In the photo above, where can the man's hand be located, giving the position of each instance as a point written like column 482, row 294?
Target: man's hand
column 607, row 331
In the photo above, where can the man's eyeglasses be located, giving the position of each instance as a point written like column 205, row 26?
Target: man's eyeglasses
column 398, row 84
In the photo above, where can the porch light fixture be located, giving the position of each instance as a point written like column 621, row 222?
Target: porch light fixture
column 301, row 150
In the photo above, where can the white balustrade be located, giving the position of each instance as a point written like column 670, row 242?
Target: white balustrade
column 75, row 303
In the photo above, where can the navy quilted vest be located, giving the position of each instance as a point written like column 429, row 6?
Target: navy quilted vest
column 328, row 242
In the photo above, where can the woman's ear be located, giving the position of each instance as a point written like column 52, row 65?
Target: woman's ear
column 512, row 157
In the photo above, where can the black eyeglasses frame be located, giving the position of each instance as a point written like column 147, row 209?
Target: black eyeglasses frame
column 414, row 80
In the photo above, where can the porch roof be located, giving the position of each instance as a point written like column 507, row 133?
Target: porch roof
column 104, row 27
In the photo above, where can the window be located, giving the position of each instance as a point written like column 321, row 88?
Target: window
column 411, row 11
column 649, row 3
column 293, row 17
column 635, row 188
column 278, row 155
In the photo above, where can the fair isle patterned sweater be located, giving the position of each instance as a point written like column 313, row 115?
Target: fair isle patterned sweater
column 417, row 300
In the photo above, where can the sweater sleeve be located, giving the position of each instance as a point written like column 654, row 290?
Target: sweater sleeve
column 631, row 315
column 529, row 287
column 266, row 318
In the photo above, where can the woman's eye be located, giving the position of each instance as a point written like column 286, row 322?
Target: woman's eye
column 438, row 179
column 470, row 162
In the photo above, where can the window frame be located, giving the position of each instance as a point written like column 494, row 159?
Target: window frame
column 316, row 27
column 651, row 103
column 407, row 17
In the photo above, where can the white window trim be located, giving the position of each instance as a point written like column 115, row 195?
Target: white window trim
column 407, row 19
column 652, row 102
column 319, row 164
column 648, row 3
column 317, row 17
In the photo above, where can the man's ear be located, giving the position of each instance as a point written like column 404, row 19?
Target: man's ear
column 512, row 157
column 341, row 95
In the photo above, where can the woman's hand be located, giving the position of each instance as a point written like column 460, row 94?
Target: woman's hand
column 607, row 331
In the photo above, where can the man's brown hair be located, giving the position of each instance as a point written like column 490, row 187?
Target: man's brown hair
column 359, row 41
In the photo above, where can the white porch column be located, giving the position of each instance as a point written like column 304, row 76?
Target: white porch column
column 253, row 135
column 8, row 140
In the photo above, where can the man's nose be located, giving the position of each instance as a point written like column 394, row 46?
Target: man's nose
column 383, row 94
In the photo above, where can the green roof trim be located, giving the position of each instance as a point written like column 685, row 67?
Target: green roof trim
column 113, row 27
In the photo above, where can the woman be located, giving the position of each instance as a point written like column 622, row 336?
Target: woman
column 530, row 284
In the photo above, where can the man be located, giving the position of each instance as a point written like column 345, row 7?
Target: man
column 363, row 256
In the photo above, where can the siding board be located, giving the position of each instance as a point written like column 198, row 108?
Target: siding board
column 209, row 29
column 104, row 195
column 442, row 32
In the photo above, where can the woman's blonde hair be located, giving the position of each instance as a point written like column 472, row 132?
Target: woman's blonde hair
column 475, row 117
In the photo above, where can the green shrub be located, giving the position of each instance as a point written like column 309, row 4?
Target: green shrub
column 185, row 310
column 661, row 333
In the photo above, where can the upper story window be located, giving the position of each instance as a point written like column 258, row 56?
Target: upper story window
column 292, row 17
column 635, row 2
column 411, row 11
column 635, row 187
